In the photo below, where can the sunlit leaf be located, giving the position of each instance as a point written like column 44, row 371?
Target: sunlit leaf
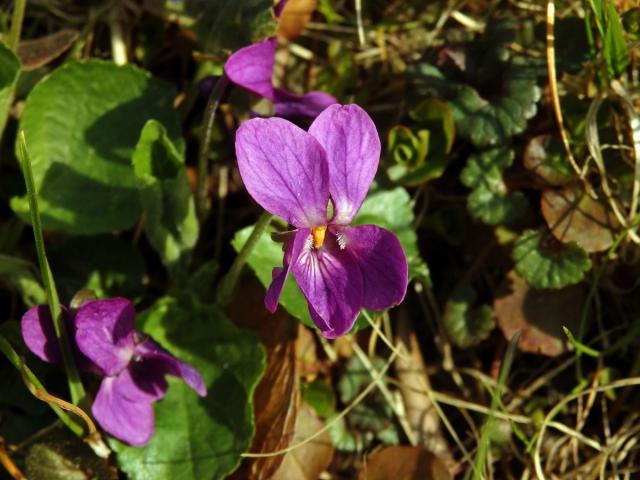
column 422, row 155
column 546, row 263
column 538, row 314
column 197, row 437
column 466, row 324
column 616, row 52
column 165, row 194
column 490, row 200
column 82, row 124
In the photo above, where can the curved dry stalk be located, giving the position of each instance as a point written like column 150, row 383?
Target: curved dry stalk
column 7, row 462
column 555, row 99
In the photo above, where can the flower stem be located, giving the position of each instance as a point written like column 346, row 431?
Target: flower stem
column 14, row 359
column 16, row 24
column 203, row 155
column 73, row 378
column 228, row 283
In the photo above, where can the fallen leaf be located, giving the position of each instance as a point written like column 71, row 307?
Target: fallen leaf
column 294, row 17
column 40, row 51
column 277, row 396
column 573, row 216
column 404, row 463
column 539, row 314
column 308, row 461
column 308, row 364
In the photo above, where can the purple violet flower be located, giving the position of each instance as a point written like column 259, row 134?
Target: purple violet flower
column 133, row 366
column 293, row 174
column 251, row 68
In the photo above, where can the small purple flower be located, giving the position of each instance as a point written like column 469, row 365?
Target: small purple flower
column 133, row 366
column 252, row 68
column 293, row 174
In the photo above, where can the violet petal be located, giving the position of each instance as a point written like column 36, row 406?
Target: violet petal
column 251, row 67
column 383, row 264
column 331, row 281
column 284, row 169
column 155, row 360
column 310, row 105
column 104, row 333
column 39, row 335
column 279, row 7
column 351, row 141
column 292, row 248
column 130, row 420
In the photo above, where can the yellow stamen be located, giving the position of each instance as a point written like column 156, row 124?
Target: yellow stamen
column 318, row 235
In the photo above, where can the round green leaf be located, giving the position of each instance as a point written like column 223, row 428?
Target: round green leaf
column 465, row 324
column 546, row 263
column 82, row 124
column 195, row 437
column 498, row 92
column 490, row 201
column 545, row 156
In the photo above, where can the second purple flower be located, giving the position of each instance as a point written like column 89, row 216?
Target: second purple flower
column 295, row 174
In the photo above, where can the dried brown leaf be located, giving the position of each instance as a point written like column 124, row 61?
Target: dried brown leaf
column 539, row 314
column 404, row 463
column 277, row 396
column 295, row 16
column 308, row 461
column 40, row 51
column 573, row 216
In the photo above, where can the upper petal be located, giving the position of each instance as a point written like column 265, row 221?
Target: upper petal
column 156, row 361
column 40, row 337
column 104, row 333
column 309, row 105
column 251, row 67
column 128, row 419
column 351, row 141
column 383, row 264
column 331, row 281
column 284, row 169
column 292, row 247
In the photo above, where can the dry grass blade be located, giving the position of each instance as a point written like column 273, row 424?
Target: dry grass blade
column 553, row 87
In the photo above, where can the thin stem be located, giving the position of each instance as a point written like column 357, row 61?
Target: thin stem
column 28, row 375
column 73, row 378
column 16, row 24
column 228, row 283
column 203, row 155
